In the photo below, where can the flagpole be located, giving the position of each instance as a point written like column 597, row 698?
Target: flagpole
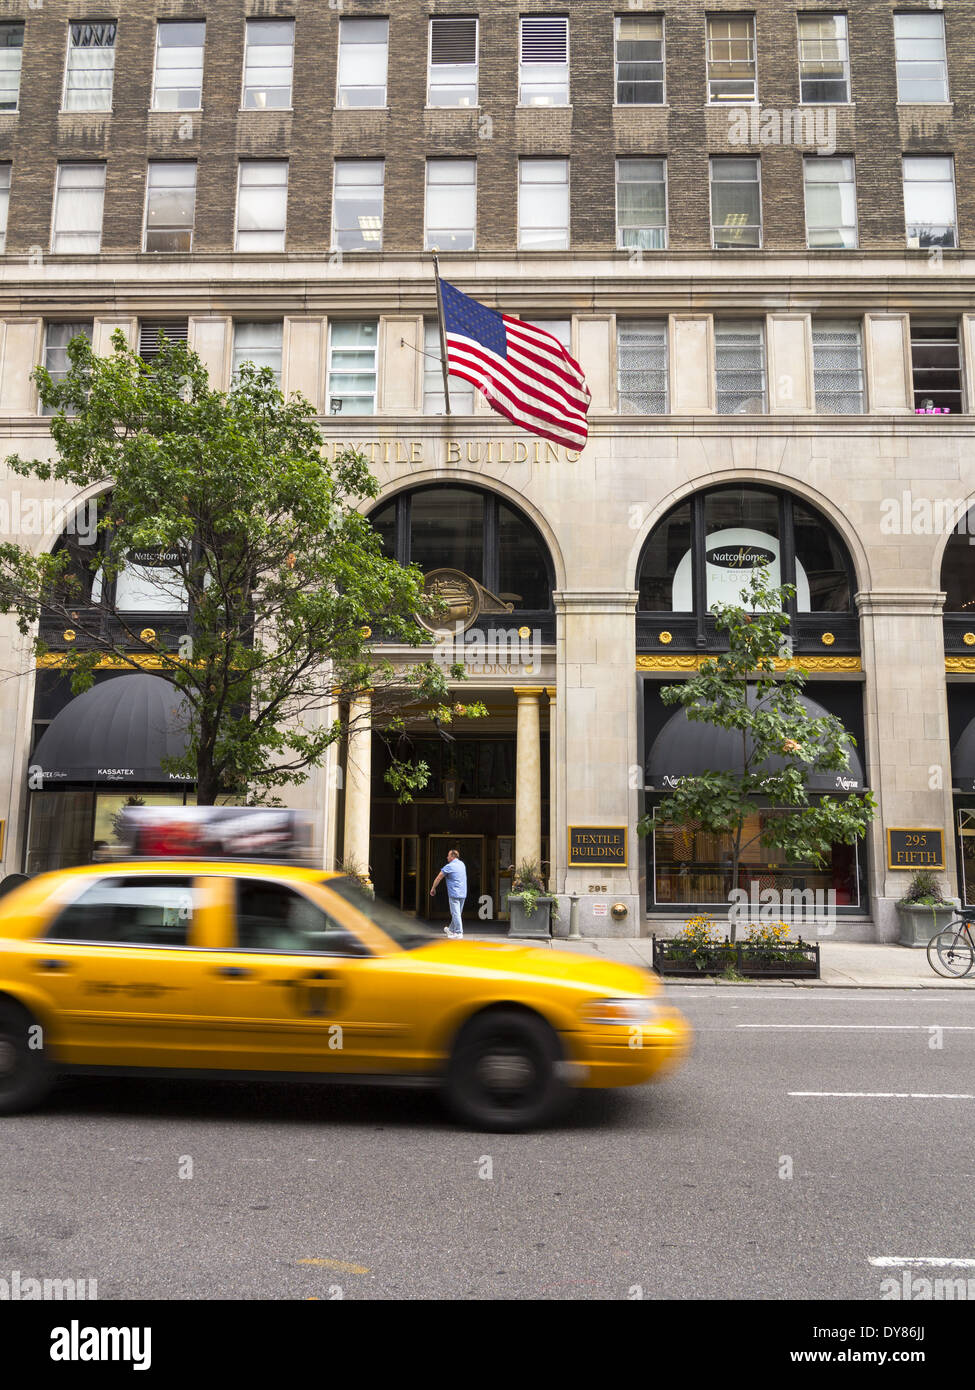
column 443, row 338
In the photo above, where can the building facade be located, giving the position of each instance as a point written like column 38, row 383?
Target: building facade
column 753, row 228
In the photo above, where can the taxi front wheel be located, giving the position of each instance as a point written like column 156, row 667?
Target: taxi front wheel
column 25, row 1076
column 504, row 1072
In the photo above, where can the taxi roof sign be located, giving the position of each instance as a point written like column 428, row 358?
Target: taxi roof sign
column 267, row 833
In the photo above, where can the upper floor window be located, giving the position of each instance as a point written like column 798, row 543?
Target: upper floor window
column 641, row 351
column 922, row 65
column 11, row 56
column 732, row 74
column 831, row 203
column 261, row 344
column 268, row 64
column 4, row 203
column 57, row 336
column 451, row 204
column 640, row 60
column 929, row 200
column 824, row 58
column 453, row 63
column 461, row 391
column 936, row 367
column 90, row 69
column 352, row 352
column 543, row 76
column 543, row 204
column 79, row 199
column 152, row 332
column 838, row 367
column 178, row 79
column 739, row 359
column 363, row 53
column 170, row 205
column 262, row 204
column 641, row 203
column 357, row 205
column 736, row 204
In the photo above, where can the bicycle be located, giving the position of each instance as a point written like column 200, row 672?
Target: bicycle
column 951, row 951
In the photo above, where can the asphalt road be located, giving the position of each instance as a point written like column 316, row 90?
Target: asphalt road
column 678, row 1191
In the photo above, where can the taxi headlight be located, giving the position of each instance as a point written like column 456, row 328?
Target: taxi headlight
column 620, row 1011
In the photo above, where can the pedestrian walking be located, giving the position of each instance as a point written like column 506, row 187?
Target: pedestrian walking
column 454, row 874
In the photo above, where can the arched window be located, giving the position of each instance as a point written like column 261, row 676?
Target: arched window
column 475, row 532
column 957, row 575
column 705, row 548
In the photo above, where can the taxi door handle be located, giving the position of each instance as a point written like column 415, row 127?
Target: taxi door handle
column 52, row 965
column 233, row 972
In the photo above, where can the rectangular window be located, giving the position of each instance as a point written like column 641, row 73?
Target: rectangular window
column 936, row 368
column 641, row 203
column 543, row 74
column 736, row 204
column 451, row 204
column 357, row 205
column 352, row 367
column 824, row 58
column 170, row 206
column 57, row 336
column 452, row 79
column 363, row 50
column 4, row 204
column 641, row 351
column 559, row 328
column 90, row 68
column 262, row 204
column 831, row 203
column 269, row 59
column 739, row 357
column 838, row 367
column 461, row 391
column 732, row 74
column 152, row 331
column 640, row 60
column 922, row 65
column 543, row 204
column 929, row 200
column 79, row 199
column 11, row 56
column 178, row 80
column 261, row 344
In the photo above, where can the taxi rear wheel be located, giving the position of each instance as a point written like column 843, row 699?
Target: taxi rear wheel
column 504, row 1072
column 25, row 1076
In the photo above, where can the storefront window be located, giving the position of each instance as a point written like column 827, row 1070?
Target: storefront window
column 59, row 835
column 662, row 560
column 694, row 866
column 821, row 559
column 448, row 531
column 523, row 571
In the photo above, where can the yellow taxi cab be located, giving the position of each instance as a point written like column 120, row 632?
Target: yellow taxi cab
column 234, row 969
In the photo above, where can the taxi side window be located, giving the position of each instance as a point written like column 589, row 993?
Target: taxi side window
column 130, row 910
column 272, row 917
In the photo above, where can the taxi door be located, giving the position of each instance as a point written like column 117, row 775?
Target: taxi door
column 123, row 967
column 295, row 991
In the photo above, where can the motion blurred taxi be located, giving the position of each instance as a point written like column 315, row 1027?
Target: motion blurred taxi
column 197, row 966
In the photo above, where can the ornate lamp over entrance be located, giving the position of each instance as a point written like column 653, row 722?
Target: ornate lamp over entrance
column 451, row 786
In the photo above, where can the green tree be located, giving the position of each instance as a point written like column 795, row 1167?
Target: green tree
column 281, row 577
column 750, row 690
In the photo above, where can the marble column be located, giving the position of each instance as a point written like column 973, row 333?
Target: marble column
column 528, row 776
column 358, row 780
column 554, row 845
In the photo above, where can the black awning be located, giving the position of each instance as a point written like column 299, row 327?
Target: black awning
column 685, row 748
column 117, row 732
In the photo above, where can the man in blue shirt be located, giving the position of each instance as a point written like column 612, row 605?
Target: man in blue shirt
column 455, row 874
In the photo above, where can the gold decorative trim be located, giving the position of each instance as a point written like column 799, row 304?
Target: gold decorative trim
column 960, row 665
column 69, row 635
column 827, row 639
column 808, row 663
column 665, row 637
column 52, row 660
column 969, row 639
column 148, row 634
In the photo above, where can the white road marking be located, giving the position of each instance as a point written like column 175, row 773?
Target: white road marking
column 890, row 1095
column 871, row 1027
column 920, row 1262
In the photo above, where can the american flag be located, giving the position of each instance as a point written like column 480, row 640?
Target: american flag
column 523, row 373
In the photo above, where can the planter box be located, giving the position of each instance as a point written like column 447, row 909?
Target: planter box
column 919, row 923
column 537, row 925
column 797, row 960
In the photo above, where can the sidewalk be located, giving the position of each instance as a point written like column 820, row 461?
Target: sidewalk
column 844, row 964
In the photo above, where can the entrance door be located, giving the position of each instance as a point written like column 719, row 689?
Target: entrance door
column 472, row 852
column 394, row 862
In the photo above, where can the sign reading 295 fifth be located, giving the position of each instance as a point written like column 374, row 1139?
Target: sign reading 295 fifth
column 915, row 849
column 597, row 845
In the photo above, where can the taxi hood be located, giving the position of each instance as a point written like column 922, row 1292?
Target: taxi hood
column 609, row 977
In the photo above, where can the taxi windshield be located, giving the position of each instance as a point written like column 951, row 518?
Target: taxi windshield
column 406, row 931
